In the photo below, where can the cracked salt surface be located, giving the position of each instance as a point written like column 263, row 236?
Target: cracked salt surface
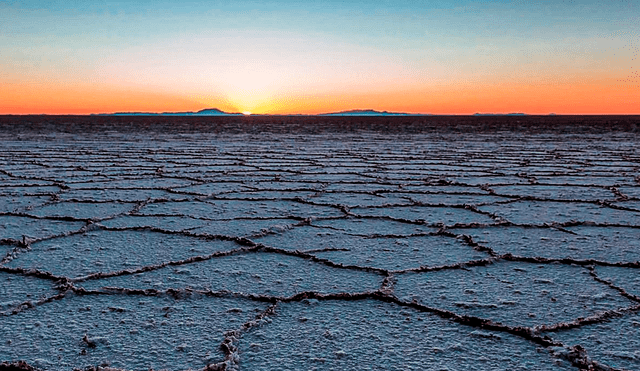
column 398, row 253
column 258, row 273
column 168, row 223
column 209, row 189
column 127, row 195
column 18, row 203
column 606, row 244
column 632, row 205
column 513, row 293
column 586, row 179
column 391, row 252
column 626, row 278
column 491, row 180
column 370, row 335
column 615, row 342
column 176, row 249
column 112, row 250
column 373, row 226
column 228, row 209
column 15, row 227
column 631, row 191
column 539, row 212
column 265, row 195
column 18, row 289
column 556, row 192
column 355, row 199
column 135, row 332
column 144, row 183
column 248, row 227
column 430, row 215
column 270, row 184
column 82, row 210
column 453, row 199
column 26, row 191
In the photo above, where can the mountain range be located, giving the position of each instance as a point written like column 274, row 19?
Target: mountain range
column 369, row 112
column 204, row 112
column 217, row 112
column 356, row 112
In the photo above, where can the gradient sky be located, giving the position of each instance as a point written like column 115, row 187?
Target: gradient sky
column 438, row 56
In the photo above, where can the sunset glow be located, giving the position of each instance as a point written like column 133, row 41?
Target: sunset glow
column 286, row 57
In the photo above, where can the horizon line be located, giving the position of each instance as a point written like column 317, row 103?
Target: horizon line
column 332, row 114
column 357, row 112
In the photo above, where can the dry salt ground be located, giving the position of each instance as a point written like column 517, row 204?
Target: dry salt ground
column 320, row 252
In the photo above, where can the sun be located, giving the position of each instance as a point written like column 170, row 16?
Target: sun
column 246, row 113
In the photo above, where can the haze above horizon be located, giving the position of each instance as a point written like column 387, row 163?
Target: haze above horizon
column 302, row 57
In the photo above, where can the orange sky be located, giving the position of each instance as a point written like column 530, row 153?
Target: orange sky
column 588, row 96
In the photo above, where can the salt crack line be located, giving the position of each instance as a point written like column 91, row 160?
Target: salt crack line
column 621, row 290
column 584, row 321
column 149, row 268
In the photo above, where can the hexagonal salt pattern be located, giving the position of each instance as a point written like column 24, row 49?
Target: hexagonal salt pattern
column 125, row 195
column 82, row 210
column 369, row 227
column 399, row 253
column 124, row 331
column 556, row 192
column 607, row 244
column 106, row 251
column 168, row 223
column 19, row 203
column 371, row 335
column 540, row 212
column 170, row 248
column 626, row 278
column 430, row 215
column 14, row 227
column 358, row 199
column 227, row 209
column 247, row 227
column 614, row 343
column 257, row 273
column 393, row 252
column 513, row 293
column 16, row 289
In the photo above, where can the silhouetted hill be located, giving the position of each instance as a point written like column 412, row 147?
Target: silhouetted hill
column 500, row 114
column 367, row 112
column 204, row 112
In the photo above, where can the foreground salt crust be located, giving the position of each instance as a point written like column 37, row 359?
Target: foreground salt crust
column 311, row 252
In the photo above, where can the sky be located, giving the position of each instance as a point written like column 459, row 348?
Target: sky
column 308, row 57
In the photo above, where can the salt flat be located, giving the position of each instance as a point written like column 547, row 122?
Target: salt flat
column 290, row 249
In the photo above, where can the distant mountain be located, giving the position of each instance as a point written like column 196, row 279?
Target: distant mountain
column 127, row 114
column 501, row 114
column 204, row 112
column 214, row 111
column 217, row 112
column 368, row 112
